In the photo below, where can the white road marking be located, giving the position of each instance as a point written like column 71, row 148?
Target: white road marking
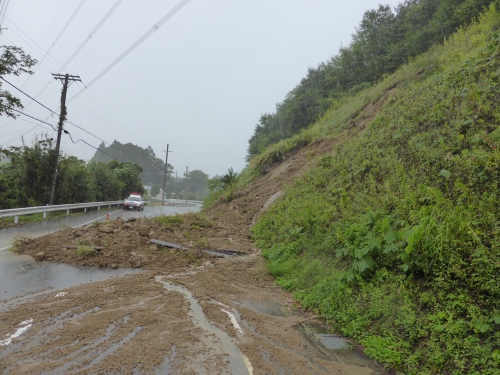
column 5, row 248
column 24, row 326
column 91, row 221
column 61, row 294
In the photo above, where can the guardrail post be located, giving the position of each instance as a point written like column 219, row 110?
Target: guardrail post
column 85, row 209
column 98, row 208
column 67, row 212
column 110, row 207
column 16, row 219
column 45, row 215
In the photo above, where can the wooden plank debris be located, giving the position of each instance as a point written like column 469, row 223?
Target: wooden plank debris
column 78, row 247
column 228, row 251
column 169, row 244
column 220, row 255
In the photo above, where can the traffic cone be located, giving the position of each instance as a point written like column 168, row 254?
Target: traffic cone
column 107, row 218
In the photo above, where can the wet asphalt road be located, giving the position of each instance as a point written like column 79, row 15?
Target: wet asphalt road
column 20, row 274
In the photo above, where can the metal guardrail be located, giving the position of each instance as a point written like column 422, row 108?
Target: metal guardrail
column 16, row 212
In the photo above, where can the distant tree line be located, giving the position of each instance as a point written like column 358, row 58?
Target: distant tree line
column 384, row 40
column 26, row 178
column 153, row 168
column 153, row 174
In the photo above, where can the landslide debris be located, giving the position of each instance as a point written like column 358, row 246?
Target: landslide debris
column 127, row 243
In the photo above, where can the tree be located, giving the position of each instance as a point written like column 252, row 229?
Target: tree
column 13, row 61
column 155, row 190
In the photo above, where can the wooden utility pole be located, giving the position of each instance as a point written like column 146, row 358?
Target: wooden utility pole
column 165, row 179
column 65, row 79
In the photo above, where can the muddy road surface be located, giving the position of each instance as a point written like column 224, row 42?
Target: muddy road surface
column 219, row 317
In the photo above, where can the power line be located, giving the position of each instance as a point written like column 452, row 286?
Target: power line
column 34, row 118
column 66, row 132
column 59, row 35
column 36, row 101
column 55, row 113
column 4, row 10
column 137, row 43
column 103, row 108
column 52, row 24
column 98, row 26
column 43, row 51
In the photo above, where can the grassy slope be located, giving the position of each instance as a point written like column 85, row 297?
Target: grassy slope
column 395, row 239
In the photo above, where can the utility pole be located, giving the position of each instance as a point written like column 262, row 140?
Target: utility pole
column 65, row 79
column 186, row 175
column 165, row 179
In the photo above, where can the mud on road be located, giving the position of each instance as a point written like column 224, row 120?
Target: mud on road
column 219, row 317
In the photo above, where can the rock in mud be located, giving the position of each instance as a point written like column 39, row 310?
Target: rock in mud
column 143, row 230
column 119, row 222
column 40, row 256
column 107, row 229
column 127, row 226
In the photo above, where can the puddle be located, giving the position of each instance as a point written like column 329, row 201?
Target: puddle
column 20, row 274
column 269, row 308
column 331, row 347
column 238, row 362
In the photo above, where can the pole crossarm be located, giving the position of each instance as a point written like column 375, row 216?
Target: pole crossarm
column 62, row 77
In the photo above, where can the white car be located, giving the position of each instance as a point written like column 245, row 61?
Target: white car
column 135, row 201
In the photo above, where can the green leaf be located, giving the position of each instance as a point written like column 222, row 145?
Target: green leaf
column 444, row 173
column 390, row 237
column 391, row 248
column 439, row 327
column 496, row 319
column 375, row 243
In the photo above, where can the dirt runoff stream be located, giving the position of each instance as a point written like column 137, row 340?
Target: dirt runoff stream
column 218, row 317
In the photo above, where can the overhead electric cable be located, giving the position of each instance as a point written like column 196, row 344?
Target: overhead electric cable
column 102, row 107
column 59, row 35
column 55, row 113
column 4, row 10
column 36, row 101
column 34, row 118
column 98, row 26
column 38, row 48
column 66, row 132
column 88, row 144
column 52, row 24
column 137, row 43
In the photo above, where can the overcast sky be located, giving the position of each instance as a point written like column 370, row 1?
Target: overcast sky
column 200, row 82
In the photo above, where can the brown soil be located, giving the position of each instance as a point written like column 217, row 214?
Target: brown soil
column 127, row 244
column 134, row 324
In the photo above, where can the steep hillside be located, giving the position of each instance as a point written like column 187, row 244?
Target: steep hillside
column 383, row 216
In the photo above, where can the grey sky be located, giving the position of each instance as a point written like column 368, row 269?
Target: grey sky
column 199, row 83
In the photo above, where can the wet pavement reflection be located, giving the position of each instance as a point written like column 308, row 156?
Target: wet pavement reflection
column 20, row 274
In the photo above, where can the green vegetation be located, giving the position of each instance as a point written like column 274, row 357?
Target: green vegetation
column 19, row 243
column 26, row 179
column 85, row 251
column 193, row 186
column 169, row 220
column 385, row 40
column 8, row 222
column 226, row 185
column 155, row 190
column 395, row 239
